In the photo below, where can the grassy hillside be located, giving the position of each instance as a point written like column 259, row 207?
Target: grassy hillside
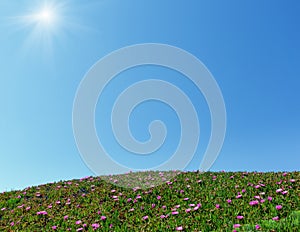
column 191, row 201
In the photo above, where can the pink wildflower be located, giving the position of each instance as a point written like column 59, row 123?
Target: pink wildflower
column 95, row 226
column 236, row 225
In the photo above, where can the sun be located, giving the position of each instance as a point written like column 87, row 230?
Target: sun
column 46, row 16
column 44, row 24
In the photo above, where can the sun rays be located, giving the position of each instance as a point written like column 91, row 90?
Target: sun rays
column 42, row 22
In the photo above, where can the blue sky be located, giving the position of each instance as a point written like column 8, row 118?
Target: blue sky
column 250, row 47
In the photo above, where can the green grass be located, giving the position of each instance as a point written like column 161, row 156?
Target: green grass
column 97, row 202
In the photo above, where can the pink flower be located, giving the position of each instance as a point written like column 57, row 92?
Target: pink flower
column 95, row 226
column 12, row 224
column 262, row 200
column 145, row 217
column 257, row 227
column 229, row 201
column 28, row 208
column 174, row 213
column 284, row 192
column 79, row 229
column 253, row 202
column 270, row 198
column 238, row 196
column 164, row 207
column 275, row 218
column 292, row 180
column 162, row 216
column 66, row 217
column 257, row 197
column 217, row 206
column 152, row 206
column 239, row 217
column 78, row 222
column 243, row 190
column 103, row 218
column 279, row 190
column 188, row 210
column 129, row 199
column 186, row 199
column 54, row 227
column 42, row 212
column 236, row 225
column 278, row 207
column 179, row 228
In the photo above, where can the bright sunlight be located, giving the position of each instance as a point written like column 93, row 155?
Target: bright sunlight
column 46, row 16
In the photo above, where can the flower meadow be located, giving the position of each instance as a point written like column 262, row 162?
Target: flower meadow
column 184, row 201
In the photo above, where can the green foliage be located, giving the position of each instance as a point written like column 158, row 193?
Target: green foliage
column 200, row 201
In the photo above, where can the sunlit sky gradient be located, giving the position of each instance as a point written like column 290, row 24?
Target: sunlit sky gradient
column 252, row 49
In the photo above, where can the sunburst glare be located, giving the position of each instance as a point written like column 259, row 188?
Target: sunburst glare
column 47, row 23
column 43, row 22
column 46, row 16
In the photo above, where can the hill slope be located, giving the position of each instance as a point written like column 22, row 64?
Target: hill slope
column 191, row 201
